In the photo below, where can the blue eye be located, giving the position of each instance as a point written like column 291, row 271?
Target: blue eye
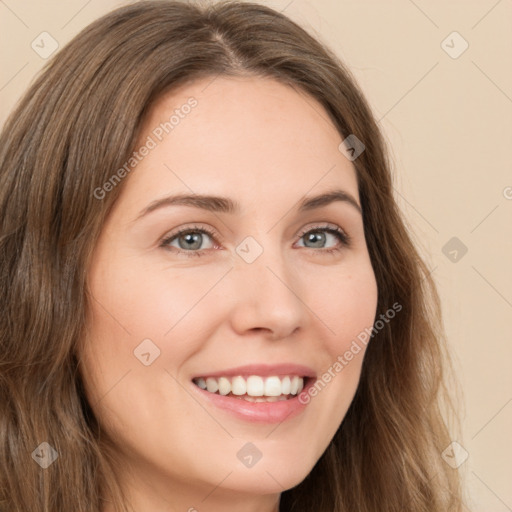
column 191, row 241
column 320, row 236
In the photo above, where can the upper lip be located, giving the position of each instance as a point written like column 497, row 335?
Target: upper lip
column 264, row 370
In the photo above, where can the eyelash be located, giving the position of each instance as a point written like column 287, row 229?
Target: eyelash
column 343, row 238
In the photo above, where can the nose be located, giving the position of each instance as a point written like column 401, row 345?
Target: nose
column 267, row 296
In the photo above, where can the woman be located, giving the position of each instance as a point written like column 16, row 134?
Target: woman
column 211, row 301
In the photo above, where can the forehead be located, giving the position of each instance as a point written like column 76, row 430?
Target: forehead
column 257, row 137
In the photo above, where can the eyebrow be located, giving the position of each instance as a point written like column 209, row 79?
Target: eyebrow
column 226, row 205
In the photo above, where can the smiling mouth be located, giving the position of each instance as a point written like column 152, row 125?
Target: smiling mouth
column 254, row 388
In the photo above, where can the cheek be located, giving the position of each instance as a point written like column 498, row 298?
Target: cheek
column 133, row 302
column 347, row 309
column 134, row 312
column 346, row 305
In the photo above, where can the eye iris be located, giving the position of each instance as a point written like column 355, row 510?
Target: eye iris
column 317, row 238
column 192, row 241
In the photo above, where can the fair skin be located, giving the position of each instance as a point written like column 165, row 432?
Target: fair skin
column 267, row 147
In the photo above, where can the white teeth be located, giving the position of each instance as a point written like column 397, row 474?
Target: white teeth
column 212, row 385
column 254, row 388
column 224, row 386
column 272, row 386
column 286, row 386
column 294, row 385
column 238, row 386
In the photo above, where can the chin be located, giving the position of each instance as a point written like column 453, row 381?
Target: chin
column 274, row 473
column 265, row 481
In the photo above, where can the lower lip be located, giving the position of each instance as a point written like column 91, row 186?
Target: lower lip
column 257, row 412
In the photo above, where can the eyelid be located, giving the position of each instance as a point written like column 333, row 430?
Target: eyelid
column 322, row 226
column 215, row 236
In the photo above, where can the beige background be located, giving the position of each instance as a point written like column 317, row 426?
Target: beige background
column 449, row 124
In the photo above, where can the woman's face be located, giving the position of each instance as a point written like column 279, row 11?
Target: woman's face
column 264, row 287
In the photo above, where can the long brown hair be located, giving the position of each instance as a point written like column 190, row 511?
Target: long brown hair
column 77, row 124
